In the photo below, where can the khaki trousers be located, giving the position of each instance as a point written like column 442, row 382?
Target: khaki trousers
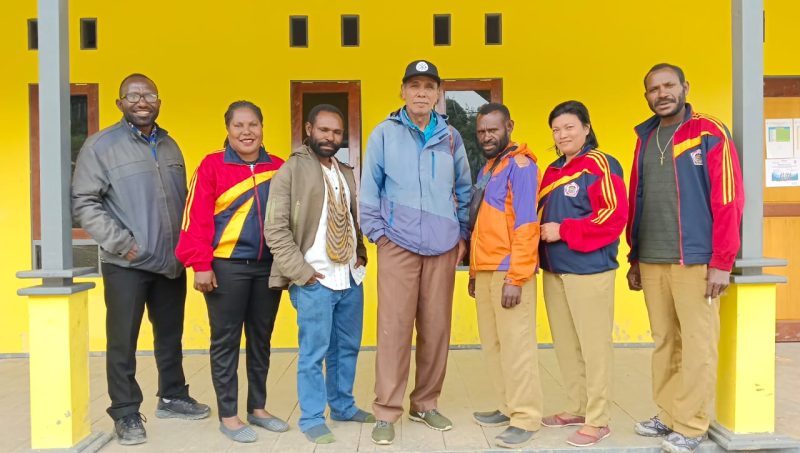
column 685, row 329
column 412, row 289
column 580, row 309
column 508, row 340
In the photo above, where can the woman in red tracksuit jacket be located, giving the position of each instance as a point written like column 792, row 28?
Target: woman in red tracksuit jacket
column 583, row 210
column 222, row 240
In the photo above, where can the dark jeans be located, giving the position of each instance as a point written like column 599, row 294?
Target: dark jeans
column 243, row 297
column 127, row 292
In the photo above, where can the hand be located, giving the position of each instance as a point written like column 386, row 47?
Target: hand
column 512, row 295
column 634, row 278
column 550, row 232
column 462, row 251
column 471, row 288
column 205, row 281
column 131, row 255
column 314, row 278
column 360, row 261
column 717, row 282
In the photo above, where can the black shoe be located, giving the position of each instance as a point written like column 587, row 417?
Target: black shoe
column 130, row 430
column 186, row 408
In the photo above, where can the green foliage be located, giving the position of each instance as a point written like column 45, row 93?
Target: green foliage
column 464, row 122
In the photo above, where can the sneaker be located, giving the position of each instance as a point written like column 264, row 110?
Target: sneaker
column 320, row 434
column 432, row 418
column 491, row 419
column 582, row 439
column 556, row 421
column 678, row 443
column 514, row 437
column 652, row 428
column 383, row 433
column 130, row 429
column 186, row 408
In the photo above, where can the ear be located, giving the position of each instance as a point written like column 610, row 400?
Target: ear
column 686, row 87
column 119, row 105
column 510, row 126
column 308, row 129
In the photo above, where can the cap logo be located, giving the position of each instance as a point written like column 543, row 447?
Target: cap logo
column 422, row 66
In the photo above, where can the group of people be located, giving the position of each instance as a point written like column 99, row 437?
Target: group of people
column 251, row 225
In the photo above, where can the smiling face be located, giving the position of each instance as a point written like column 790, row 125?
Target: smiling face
column 420, row 94
column 141, row 114
column 569, row 134
column 245, row 133
column 665, row 94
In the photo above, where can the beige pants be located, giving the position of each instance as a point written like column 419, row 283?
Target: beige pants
column 580, row 309
column 685, row 329
column 508, row 340
column 412, row 290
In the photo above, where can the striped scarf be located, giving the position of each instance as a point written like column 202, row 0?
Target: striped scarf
column 339, row 236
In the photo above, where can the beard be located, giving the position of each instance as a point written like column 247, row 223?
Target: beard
column 316, row 146
column 139, row 121
column 679, row 104
column 500, row 145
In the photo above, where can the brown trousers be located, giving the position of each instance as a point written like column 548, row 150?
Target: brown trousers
column 508, row 340
column 685, row 329
column 580, row 309
column 412, row 289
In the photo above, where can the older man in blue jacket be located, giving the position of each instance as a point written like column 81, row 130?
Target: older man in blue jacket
column 415, row 193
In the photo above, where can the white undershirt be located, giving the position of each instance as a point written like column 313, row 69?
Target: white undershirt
column 337, row 275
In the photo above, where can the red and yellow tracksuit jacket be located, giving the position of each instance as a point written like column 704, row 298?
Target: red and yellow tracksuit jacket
column 710, row 190
column 224, row 213
column 506, row 232
column 587, row 197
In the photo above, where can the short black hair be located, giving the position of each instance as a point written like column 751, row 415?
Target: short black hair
column 312, row 115
column 578, row 109
column 135, row 75
column 677, row 70
column 486, row 109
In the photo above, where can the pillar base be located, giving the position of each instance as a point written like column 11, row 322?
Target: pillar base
column 731, row 441
column 91, row 444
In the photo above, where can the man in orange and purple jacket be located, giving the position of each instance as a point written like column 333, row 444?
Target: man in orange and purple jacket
column 686, row 201
column 503, row 262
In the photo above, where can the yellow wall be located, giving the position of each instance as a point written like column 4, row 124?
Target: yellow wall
column 203, row 56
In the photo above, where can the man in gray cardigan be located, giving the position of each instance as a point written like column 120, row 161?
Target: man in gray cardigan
column 128, row 193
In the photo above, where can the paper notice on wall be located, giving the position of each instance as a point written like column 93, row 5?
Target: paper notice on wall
column 783, row 172
column 797, row 138
column 780, row 143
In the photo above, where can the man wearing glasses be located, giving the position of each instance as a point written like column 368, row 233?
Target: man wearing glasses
column 128, row 193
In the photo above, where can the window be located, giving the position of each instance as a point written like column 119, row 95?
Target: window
column 350, row 33
column 33, row 34
column 88, row 34
column 298, row 31
column 494, row 29
column 84, row 120
column 441, row 30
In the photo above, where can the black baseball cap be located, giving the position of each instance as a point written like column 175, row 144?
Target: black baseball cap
column 422, row 67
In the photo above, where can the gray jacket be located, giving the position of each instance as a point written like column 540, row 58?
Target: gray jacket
column 122, row 196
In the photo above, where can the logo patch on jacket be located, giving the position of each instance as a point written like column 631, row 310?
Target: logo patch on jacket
column 571, row 190
column 697, row 157
column 521, row 161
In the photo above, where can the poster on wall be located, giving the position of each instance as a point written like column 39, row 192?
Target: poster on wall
column 780, row 143
column 783, row 172
column 796, row 123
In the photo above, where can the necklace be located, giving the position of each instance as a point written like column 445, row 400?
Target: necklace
column 666, row 145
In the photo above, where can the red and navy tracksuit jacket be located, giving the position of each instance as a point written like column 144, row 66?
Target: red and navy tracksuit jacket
column 587, row 197
column 224, row 213
column 710, row 190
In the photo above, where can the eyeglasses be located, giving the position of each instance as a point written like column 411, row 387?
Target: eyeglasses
column 133, row 98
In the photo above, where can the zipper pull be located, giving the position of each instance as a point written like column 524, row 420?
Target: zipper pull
column 253, row 169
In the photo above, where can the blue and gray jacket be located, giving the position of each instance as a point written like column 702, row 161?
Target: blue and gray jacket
column 415, row 191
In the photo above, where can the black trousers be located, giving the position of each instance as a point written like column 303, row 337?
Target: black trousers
column 127, row 292
column 242, row 298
